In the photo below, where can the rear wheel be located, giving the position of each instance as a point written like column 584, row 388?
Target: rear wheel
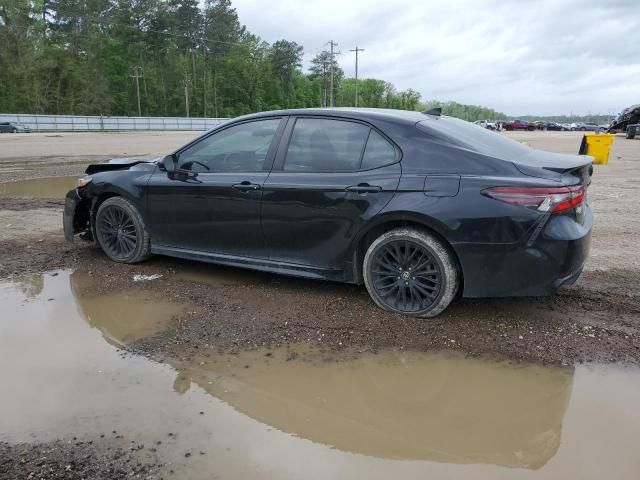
column 410, row 271
column 121, row 232
column 631, row 132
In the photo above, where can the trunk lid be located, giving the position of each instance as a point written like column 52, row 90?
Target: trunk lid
column 566, row 168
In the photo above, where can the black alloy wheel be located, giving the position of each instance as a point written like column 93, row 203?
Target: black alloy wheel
column 117, row 232
column 406, row 276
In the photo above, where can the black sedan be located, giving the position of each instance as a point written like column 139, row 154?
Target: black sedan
column 551, row 126
column 417, row 206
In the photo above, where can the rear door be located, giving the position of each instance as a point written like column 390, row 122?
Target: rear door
column 330, row 177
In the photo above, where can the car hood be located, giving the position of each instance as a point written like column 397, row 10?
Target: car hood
column 120, row 163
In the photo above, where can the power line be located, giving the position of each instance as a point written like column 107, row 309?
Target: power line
column 357, row 50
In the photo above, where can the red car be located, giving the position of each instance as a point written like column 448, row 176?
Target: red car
column 518, row 125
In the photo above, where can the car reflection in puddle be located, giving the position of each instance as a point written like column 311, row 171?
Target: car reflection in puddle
column 399, row 405
column 294, row 412
column 122, row 317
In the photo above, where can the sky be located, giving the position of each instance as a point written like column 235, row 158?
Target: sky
column 536, row 57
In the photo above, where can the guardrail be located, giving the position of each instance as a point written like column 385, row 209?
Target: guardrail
column 87, row 123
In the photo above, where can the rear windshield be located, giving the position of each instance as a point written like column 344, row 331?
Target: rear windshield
column 474, row 137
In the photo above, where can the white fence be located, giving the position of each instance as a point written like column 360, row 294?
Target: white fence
column 81, row 123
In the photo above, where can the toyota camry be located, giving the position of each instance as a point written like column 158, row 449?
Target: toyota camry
column 418, row 207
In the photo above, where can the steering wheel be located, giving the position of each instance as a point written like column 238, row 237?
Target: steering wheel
column 188, row 165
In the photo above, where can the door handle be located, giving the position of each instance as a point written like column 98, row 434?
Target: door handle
column 246, row 186
column 364, row 188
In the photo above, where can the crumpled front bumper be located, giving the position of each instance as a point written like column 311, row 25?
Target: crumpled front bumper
column 68, row 217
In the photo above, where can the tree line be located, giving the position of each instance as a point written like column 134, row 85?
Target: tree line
column 161, row 58
column 171, row 58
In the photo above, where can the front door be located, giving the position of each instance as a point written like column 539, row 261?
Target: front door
column 331, row 176
column 215, row 209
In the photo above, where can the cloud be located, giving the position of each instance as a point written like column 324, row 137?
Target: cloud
column 539, row 57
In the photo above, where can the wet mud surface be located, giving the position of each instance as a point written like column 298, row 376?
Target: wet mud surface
column 232, row 371
column 97, row 459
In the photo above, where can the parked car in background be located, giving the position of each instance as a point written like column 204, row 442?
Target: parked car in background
column 587, row 127
column 518, row 125
column 347, row 195
column 549, row 126
column 488, row 124
column 593, row 127
column 9, row 127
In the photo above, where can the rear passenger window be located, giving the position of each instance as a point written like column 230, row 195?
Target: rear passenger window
column 378, row 152
column 323, row 145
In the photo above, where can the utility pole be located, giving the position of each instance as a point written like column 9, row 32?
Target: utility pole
column 324, row 85
column 333, row 44
column 357, row 50
column 137, row 76
column 204, row 83
column 186, row 92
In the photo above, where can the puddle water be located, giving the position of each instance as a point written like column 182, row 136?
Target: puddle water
column 48, row 187
column 124, row 317
column 266, row 414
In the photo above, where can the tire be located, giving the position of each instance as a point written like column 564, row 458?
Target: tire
column 14, row 131
column 427, row 294
column 631, row 133
column 121, row 232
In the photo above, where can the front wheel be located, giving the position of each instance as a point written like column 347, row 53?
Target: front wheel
column 121, row 232
column 410, row 271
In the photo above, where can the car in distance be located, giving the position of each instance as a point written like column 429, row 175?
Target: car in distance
column 488, row 124
column 9, row 127
column 587, row 127
column 551, row 126
column 518, row 125
column 419, row 207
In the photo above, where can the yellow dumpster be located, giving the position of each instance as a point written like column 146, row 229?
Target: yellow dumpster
column 597, row 145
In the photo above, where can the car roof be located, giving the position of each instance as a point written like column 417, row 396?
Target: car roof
column 388, row 114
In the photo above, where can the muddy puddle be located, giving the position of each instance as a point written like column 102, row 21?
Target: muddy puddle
column 48, row 187
column 298, row 412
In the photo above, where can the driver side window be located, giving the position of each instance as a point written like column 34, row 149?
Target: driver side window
column 241, row 148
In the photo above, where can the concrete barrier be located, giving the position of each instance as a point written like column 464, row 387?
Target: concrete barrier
column 87, row 123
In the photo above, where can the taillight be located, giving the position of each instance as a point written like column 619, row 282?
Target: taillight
column 542, row 199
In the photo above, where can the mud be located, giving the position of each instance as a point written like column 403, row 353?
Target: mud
column 95, row 459
column 76, row 405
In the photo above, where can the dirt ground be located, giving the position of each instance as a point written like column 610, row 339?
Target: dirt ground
column 237, row 311
column 598, row 319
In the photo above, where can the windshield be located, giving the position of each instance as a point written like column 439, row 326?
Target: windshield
column 474, row 137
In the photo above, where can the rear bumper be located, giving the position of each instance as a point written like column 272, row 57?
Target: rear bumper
column 538, row 266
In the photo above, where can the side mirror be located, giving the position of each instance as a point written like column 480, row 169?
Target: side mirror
column 169, row 163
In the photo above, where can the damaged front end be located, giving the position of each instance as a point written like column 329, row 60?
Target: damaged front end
column 77, row 216
column 80, row 202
